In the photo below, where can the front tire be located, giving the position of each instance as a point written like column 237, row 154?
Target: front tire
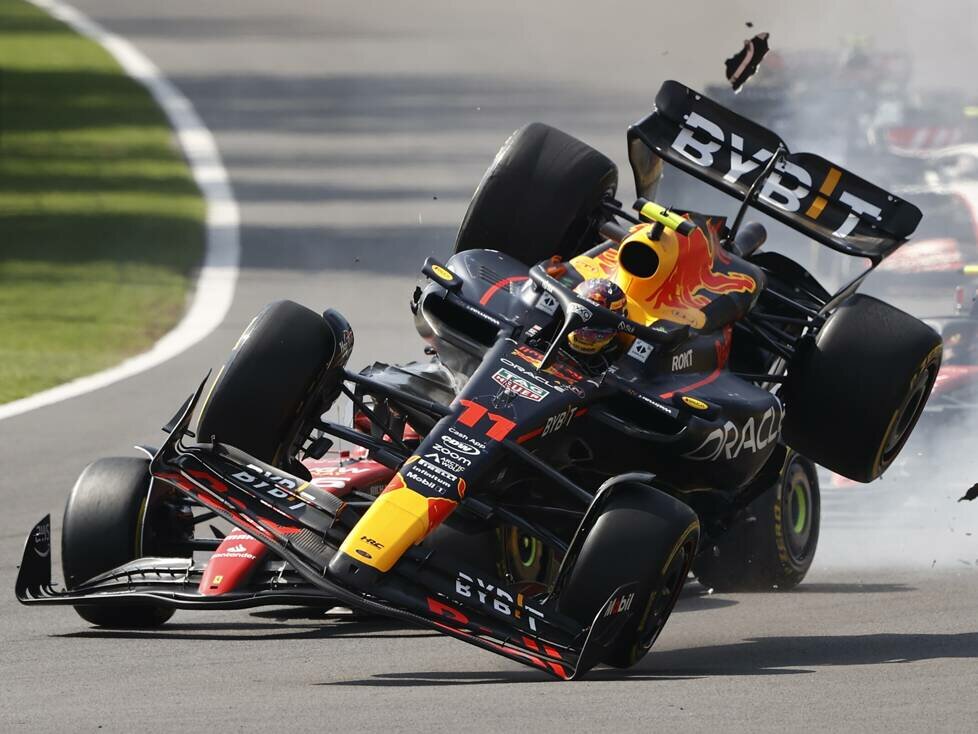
column 540, row 197
column 773, row 546
column 641, row 535
column 265, row 391
column 102, row 530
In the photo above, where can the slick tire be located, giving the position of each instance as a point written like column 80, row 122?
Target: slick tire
column 539, row 198
column 265, row 391
column 102, row 530
column 854, row 395
column 774, row 544
column 641, row 535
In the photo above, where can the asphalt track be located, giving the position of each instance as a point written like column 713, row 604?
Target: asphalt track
column 353, row 136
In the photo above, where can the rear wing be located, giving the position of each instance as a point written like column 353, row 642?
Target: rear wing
column 802, row 190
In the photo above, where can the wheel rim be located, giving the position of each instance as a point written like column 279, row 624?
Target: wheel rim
column 662, row 603
column 799, row 501
column 528, row 550
column 797, row 513
column 527, row 558
column 906, row 417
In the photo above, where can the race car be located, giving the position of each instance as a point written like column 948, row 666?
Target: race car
column 869, row 119
column 616, row 398
column 956, row 388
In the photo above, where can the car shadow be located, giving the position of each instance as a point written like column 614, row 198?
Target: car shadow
column 319, row 628
column 309, row 623
column 851, row 588
column 475, row 678
column 763, row 656
column 695, row 598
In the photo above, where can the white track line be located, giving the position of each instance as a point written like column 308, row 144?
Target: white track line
column 215, row 284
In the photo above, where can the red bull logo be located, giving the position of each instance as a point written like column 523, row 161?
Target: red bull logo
column 438, row 509
column 684, row 291
column 690, row 273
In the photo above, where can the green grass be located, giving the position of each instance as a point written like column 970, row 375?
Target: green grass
column 101, row 225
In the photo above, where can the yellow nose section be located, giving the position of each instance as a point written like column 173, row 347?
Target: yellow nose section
column 393, row 523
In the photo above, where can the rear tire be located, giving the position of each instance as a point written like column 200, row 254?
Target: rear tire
column 641, row 535
column 539, row 198
column 853, row 397
column 263, row 394
column 102, row 530
column 773, row 546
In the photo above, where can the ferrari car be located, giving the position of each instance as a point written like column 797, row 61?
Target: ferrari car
column 617, row 397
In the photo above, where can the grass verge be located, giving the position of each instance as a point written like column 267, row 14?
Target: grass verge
column 101, row 224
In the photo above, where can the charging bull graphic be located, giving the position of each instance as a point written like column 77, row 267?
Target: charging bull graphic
column 685, row 290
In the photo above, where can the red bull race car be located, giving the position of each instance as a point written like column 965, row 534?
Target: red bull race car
column 617, row 397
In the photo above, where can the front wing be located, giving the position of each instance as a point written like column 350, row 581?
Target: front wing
column 304, row 526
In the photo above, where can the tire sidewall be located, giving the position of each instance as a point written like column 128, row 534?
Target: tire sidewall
column 102, row 530
column 790, row 568
column 636, row 536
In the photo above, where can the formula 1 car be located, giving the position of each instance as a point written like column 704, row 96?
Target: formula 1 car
column 535, row 498
column 956, row 388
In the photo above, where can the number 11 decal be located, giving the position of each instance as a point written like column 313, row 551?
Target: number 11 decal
column 474, row 413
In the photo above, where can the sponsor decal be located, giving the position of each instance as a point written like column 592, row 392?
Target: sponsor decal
column 438, row 470
column 560, row 370
column 272, row 484
column 582, row 312
column 730, row 440
column 371, row 542
column 236, row 549
column 687, row 288
column 260, row 475
column 444, row 451
column 682, row 361
column 473, row 414
column 481, row 314
column 788, row 185
column 467, row 440
column 668, row 410
column 421, row 472
column 527, row 372
column 694, row 403
column 232, row 553
column 492, row 597
column 560, row 421
column 345, row 344
column 619, row 604
column 640, row 350
column 443, row 273
column 519, row 386
column 467, row 446
column 448, row 464
column 42, row 540
column 547, row 303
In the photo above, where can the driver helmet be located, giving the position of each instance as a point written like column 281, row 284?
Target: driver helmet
column 603, row 292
